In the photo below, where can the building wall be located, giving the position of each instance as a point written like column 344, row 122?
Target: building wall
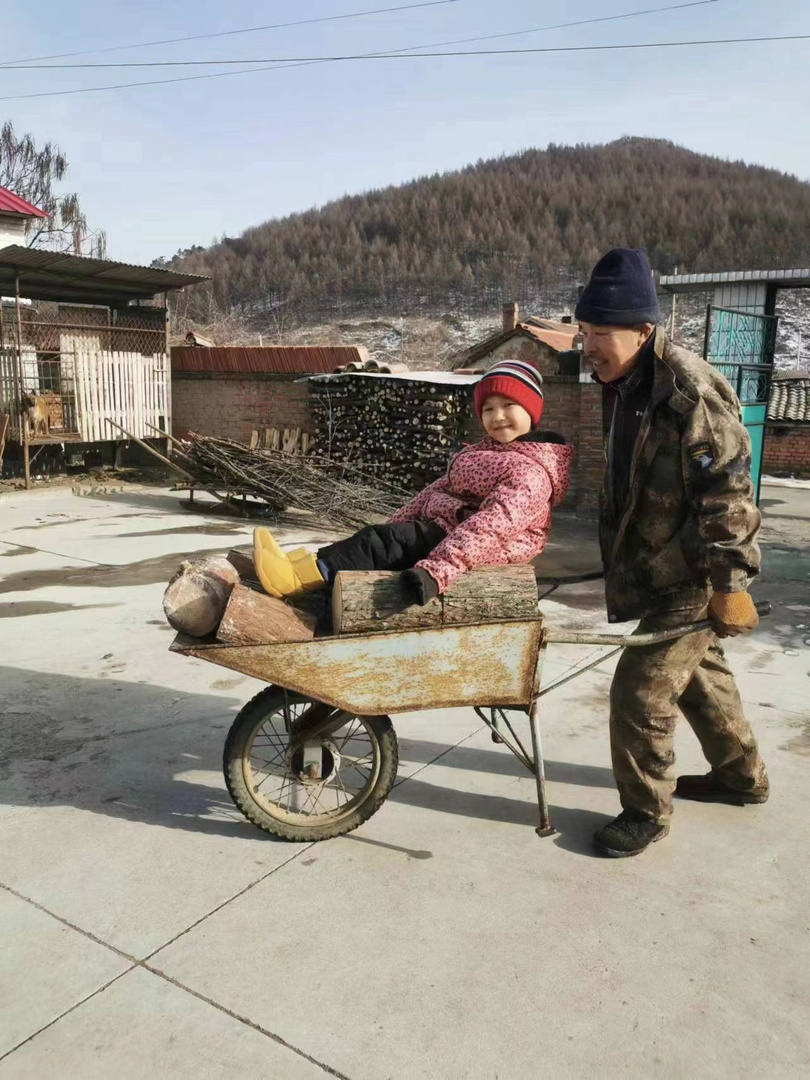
column 232, row 406
column 522, row 348
column 12, row 229
column 787, row 450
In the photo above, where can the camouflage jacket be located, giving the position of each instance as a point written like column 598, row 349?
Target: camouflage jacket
column 690, row 521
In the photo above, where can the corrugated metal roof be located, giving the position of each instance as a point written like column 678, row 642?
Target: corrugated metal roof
column 53, row 275
column 273, row 359
column 792, row 279
column 439, row 378
column 13, row 204
column 558, row 340
column 790, row 399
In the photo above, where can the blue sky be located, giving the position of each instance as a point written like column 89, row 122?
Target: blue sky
column 164, row 167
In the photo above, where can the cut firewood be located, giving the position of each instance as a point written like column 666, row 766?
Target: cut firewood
column 366, row 601
column 196, row 597
column 242, row 562
column 254, row 618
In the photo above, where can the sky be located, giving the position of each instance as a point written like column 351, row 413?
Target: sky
column 167, row 166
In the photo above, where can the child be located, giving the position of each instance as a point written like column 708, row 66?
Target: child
column 492, row 507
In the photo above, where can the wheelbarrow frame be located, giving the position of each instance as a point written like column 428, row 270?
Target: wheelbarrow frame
column 496, row 666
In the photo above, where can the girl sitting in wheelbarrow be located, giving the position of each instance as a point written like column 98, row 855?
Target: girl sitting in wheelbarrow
column 492, row 507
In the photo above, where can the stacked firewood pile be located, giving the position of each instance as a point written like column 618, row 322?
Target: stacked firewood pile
column 342, row 496
column 401, row 431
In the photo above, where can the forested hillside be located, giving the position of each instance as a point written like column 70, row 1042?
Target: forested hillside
column 523, row 227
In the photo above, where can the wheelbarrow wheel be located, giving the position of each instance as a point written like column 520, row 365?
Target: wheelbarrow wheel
column 345, row 778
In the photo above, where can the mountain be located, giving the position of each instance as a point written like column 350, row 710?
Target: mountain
column 524, row 227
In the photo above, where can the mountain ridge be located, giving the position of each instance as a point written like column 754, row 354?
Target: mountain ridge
column 525, row 226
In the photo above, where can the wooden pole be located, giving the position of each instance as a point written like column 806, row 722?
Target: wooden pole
column 23, row 421
column 153, row 451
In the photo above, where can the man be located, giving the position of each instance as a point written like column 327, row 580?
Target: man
column 678, row 527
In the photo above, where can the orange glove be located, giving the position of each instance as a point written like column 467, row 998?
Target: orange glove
column 732, row 613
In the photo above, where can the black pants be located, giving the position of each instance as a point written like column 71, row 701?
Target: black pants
column 397, row 546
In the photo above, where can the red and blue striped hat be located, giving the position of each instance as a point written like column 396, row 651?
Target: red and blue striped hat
column 516, row 380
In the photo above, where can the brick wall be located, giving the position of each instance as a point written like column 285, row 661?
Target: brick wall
column 231, row 406
column 787, row 450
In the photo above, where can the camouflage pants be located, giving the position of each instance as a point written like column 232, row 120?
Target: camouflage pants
column 652, row 686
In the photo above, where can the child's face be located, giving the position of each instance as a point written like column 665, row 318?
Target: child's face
column 504, row 420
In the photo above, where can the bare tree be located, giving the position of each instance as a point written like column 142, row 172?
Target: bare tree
column 31, row 174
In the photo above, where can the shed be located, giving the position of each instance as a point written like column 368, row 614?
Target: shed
column 83, row 346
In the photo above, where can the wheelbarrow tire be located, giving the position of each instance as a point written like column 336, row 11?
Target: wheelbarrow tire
column 249, row 721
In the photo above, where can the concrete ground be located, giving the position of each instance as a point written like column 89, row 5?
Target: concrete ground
column 149, row 931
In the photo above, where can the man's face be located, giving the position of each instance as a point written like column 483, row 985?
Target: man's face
column 613, row 349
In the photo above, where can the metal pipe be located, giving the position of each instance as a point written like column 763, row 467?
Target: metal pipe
column 576, row 637
column 545, row 827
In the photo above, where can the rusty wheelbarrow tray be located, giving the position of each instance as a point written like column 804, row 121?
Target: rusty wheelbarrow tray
column 306, row 725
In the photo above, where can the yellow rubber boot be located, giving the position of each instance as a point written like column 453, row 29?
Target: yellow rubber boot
column 305, row 567
column 275, row 571
column 264, row 538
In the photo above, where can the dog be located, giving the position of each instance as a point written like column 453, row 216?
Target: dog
column 35, row 409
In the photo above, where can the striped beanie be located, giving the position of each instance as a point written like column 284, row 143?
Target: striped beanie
column 516, row 380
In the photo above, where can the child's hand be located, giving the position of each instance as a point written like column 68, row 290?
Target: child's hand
column 418, row 586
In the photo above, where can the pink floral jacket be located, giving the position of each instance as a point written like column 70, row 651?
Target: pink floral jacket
column 494, row 502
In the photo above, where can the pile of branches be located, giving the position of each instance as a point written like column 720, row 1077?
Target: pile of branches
column 338, row 495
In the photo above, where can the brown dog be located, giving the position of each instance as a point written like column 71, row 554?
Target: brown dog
column 36, row 412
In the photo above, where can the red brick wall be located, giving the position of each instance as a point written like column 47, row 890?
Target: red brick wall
column 787, row 450
column 231, row 406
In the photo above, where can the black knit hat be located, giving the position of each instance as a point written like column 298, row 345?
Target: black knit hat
column 621, row 291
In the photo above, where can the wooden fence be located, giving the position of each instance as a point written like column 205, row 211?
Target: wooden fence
column 129, row 388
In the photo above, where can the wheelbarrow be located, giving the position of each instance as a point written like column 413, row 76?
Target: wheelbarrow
column 315, row 754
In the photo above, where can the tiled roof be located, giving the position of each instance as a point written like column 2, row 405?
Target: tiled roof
column 560, row 340
column 790, row 396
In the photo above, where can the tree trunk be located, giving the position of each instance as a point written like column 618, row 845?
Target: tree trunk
column 197, row 595
column 254, row 618
column 367, row 601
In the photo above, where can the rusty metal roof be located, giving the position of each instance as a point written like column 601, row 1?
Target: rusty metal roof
column 272, row 359
column 54, row 275
column 13, row 204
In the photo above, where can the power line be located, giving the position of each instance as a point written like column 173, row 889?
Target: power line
column 34, row 65
column 231, row 33
column 277, row 62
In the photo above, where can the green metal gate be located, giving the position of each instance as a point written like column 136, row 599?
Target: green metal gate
column 741, row 345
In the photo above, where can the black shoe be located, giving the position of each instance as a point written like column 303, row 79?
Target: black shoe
column 629, row 834
column 708, row 788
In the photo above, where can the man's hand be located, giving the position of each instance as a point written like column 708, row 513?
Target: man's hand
column 732, row 613
column 418, row 586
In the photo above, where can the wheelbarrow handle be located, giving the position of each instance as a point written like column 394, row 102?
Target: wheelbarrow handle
column 575, row 637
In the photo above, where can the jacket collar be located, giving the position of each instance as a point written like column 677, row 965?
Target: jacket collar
column 665, row 384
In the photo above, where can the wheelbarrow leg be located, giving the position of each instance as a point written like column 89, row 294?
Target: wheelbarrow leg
column 545, row 827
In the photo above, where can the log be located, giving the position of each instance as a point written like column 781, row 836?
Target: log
column 254, row 618
column 196, row 597
column 242, row 562
column 370, row 601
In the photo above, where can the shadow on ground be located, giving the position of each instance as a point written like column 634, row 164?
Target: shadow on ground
column 137, row 751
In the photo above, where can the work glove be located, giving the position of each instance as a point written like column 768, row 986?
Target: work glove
column 418, row 586
column 732, row 613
